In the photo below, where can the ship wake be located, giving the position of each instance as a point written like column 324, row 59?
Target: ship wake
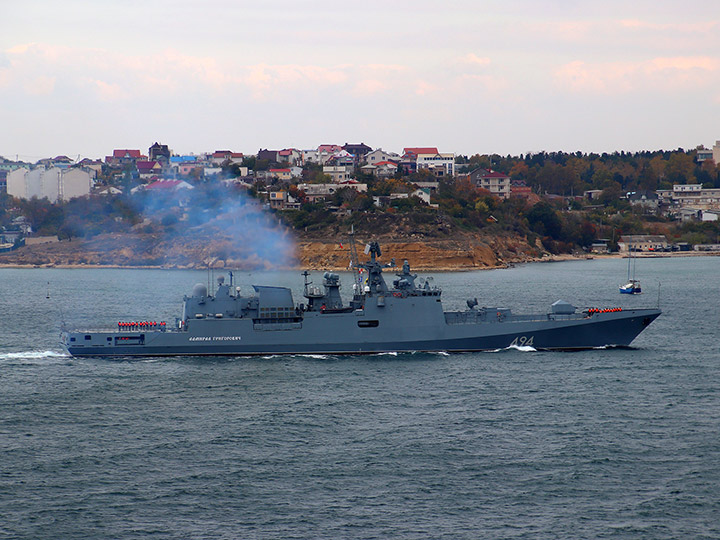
column 521, row 348
column 32, row 356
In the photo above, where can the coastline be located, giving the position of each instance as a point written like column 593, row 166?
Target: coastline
column 336, row 268
column 459, row 253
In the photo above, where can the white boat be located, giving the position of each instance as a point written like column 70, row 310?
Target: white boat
column 632, row 286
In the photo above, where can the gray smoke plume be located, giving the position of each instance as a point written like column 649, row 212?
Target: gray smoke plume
column 214, row 225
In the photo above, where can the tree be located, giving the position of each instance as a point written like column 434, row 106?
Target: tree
column 249, row 162
column 345, row 196
column 708, row 173
column 70, row 229
column 423, row 175
column 588, row 233
column 647, row 181
column 44, row 216
column 544, row 220
column 519, row 171
column 680, row 168
column 611, row 194
column 559, row 179
column 478, row 161
column 602, row 178
column 481, row 207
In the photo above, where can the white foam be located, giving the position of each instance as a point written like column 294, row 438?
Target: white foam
column 32, row 355
column 35, row 354
column 521, row 348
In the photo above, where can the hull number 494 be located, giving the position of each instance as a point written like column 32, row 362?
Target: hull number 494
column 522, row 341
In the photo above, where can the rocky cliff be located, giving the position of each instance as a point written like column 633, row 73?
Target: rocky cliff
column 465, row 252
column 460, row 254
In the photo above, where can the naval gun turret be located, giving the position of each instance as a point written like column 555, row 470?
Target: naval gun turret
column 326, row 299
column 406, row 280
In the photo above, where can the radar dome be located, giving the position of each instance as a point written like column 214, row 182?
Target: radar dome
column 199, row 290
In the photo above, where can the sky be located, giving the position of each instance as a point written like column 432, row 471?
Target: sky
column 83, row 77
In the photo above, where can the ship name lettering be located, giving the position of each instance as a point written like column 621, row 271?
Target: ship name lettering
column 215, row 338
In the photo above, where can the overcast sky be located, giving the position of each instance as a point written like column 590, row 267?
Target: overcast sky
column 83, row 77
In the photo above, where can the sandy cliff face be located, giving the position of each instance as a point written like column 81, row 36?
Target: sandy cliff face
column 431, row 255
column 463, row 253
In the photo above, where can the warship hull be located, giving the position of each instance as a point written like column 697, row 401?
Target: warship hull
column 341, row 334
column 402, row 318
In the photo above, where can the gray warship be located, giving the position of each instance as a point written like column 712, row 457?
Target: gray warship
column 405, row 317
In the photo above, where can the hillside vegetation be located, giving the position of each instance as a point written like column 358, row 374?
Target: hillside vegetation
column 229, row 225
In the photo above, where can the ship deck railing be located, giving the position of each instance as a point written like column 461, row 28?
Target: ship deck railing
column 474, row 317
column 116, row 330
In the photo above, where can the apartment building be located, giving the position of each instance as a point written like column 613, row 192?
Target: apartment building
column 495, row 182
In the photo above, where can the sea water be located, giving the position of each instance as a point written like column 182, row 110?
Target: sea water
column 616, row 443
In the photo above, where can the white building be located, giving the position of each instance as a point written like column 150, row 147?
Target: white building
column 687, row 188
column 54, row 184
column 422, row 194
column 716, row 152
column 495, row 182
column 440, row 164
column 642, row 242
column 690, row 196
column 321, row 157
column 703, row 154
column 74, row 183
column 338, row 173
column 376, row 156
column 321, row 192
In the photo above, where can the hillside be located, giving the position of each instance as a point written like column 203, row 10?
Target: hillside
column 461, row 252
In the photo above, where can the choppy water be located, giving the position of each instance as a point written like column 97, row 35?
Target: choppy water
column 511, row 444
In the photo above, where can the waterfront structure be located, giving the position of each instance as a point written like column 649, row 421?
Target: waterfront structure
column 642, row 242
